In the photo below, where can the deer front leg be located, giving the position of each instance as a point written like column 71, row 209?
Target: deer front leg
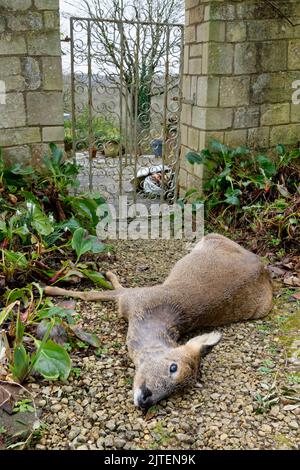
column 88, row 296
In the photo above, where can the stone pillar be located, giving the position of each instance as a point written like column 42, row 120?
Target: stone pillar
column 31, row 109
column 241, row 59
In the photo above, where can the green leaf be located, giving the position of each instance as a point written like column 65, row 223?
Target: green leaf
column 97, row 245
column 97, row 278
column 17, row 259
column 89, row 338
column 281, row 150
column 267, row 165
column 53, row 362
column 193, row 157
column 217, row 147
column 80, row 243
column 240, row 152
column 57, row 154
column 232, row 196
column 39, row 221
column 20, row 368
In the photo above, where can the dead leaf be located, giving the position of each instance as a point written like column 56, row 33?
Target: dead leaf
column 292, row 281
column 4, row 395
column 89, row 338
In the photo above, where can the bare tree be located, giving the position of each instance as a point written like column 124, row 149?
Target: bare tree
column 135, row 57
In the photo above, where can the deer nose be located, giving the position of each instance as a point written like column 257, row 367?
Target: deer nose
column 144, row 400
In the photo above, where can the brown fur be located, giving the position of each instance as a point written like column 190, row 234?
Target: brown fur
column 217, row 283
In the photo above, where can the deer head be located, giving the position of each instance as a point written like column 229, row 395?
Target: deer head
column 163, row 371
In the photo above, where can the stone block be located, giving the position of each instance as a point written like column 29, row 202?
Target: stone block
column 186, row 58
column 2, row 24
column 294, row 55
column 184, row 134
column 52, row 73
column 272, row 56
column 261, row 30
column 218, row 118
column 273, row 87
column 236, row 31
column 53, row 134
column 51, row 19
column 219, row 59
column 198, row 117
column 31, row 73
column 196, row 14
column 234, row 91
column 254, row 10
column 44, row 44
column 222, row 11
column 12, row 113
column 47, row 4
column 15, row 5
column 286, row 135
column 206, row 138
column 217, row 31
column 10, row 73
column 295, row 112
column 45, row 108
column 274, row 114
column 259, row 137
column 190, row 34
column 186, row 114
column 38, row 151
column 246, row 117
column 12, row 44
column 19, row 136
column 195, row 66
column 208, row 91
column 193, row 138
column 236, row 138
column 196, row 50
column 245, row 59
column 192, row 3
column 30, row 21
column 20, row 154
column 203, row 32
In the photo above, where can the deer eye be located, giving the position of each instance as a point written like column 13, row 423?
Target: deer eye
column 173, row 368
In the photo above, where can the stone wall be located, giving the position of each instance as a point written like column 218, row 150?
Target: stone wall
column 241, row 59
column 31, row 110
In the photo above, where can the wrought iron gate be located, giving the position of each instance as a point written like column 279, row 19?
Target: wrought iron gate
column 126, row 82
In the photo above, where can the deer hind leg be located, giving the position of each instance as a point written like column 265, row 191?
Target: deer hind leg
column 114, row 280
column 88, row 296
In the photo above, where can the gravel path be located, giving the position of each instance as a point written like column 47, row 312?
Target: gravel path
column 247, row 396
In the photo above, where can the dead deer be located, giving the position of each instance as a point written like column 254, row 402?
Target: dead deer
column 217, row 283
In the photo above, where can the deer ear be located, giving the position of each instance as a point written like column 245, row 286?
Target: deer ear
column 201, row 345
